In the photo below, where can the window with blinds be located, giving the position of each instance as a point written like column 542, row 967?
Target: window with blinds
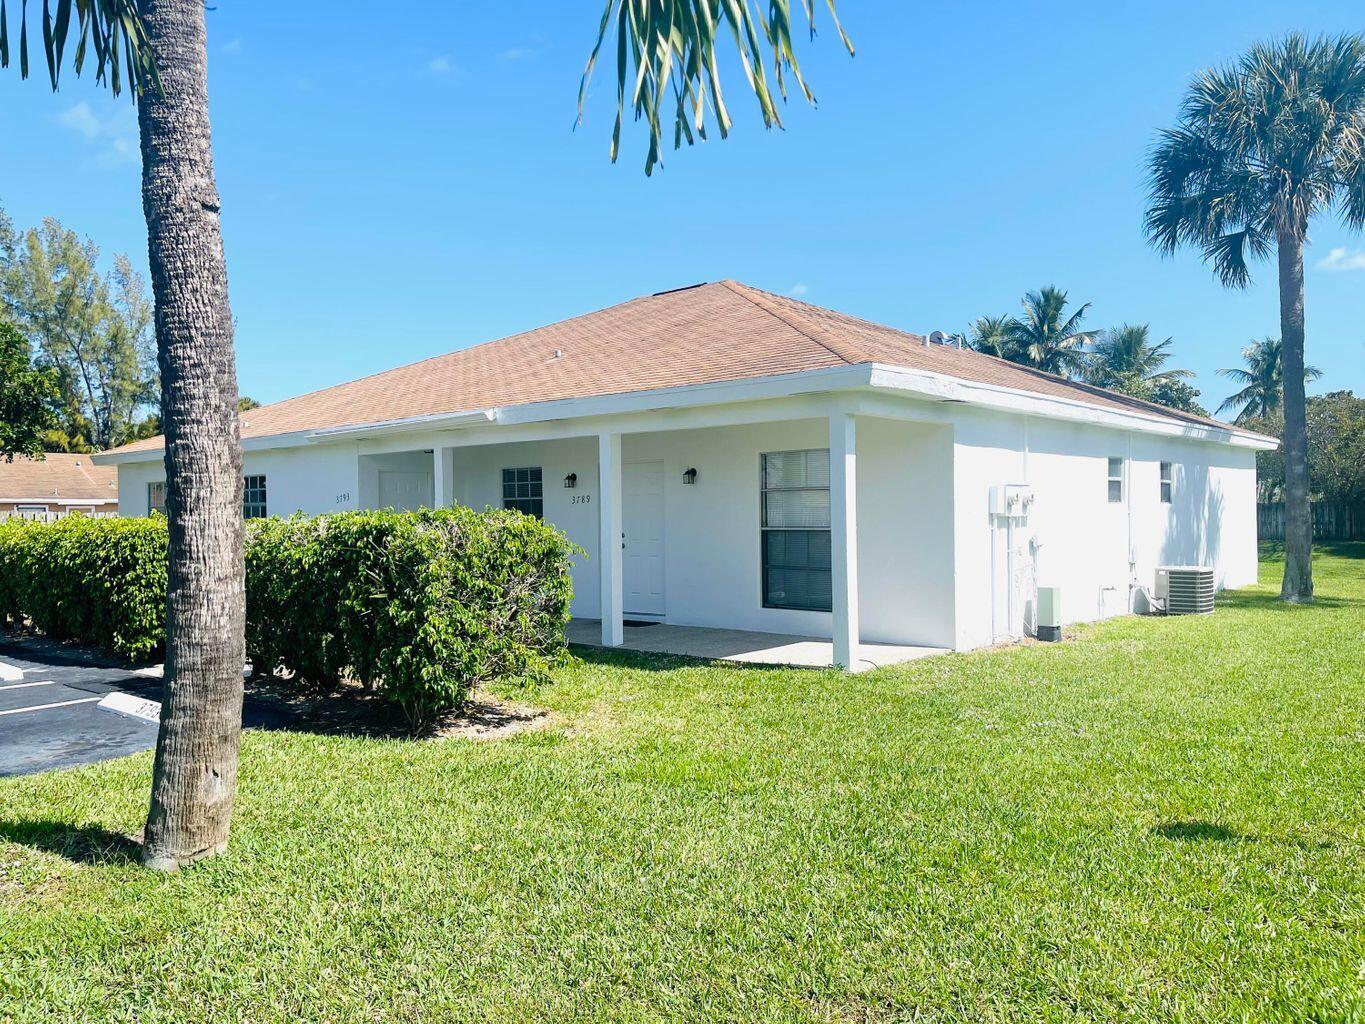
column 795, row 530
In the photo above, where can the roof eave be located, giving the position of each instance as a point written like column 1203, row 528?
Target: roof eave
column 947, row 388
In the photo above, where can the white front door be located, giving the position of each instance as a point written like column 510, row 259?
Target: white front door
column 404, row 489
column 642, row 523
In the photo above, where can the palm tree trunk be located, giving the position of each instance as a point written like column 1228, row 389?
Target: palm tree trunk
column 1297, row 585
column 195, row 776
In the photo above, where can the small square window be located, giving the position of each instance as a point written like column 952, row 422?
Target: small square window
column 1115, row 479
column 522, row 491
column 253, row 497
column 1167, row 481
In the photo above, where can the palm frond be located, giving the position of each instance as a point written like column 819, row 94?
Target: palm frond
column 670, row 47
column 110, row 29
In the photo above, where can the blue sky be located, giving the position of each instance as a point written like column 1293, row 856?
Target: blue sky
column 395, row 188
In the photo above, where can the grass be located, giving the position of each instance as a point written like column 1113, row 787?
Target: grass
column 1161, row 819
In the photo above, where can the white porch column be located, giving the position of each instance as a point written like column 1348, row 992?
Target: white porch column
column 843, row 506
column 609, row 543
column 439, row 479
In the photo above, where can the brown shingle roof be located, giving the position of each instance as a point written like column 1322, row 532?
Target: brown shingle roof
column 58, row 478
column 699, row 335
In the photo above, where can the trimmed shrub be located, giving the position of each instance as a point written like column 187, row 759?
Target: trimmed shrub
column 420, row 606
column 94, row 581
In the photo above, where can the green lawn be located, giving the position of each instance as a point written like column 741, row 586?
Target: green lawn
column 1162, row 819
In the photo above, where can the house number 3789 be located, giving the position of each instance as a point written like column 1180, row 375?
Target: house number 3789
column 582, row 499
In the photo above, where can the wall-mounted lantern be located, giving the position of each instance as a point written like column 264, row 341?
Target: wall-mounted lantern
column 571, row 481
column 690, row 476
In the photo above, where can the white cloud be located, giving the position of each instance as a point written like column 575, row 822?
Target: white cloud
column 233, row 45
column 440, row 65
column 113, row 133
column 80, row 119
column 520, row 53
column 1342, row 258
column 798, row 290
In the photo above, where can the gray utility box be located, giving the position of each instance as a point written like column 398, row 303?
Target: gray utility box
column 1049, row 613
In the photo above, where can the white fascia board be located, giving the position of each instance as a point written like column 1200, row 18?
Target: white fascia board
column 945, row 388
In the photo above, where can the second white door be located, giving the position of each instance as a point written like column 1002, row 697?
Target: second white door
column 642, row 523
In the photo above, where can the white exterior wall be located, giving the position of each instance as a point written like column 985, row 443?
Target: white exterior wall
column 313, row 479
column 1079, row 540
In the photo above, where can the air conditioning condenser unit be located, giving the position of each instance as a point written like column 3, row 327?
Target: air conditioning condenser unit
column 1185, row 589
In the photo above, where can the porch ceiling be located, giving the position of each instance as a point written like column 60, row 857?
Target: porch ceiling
column 744, row 646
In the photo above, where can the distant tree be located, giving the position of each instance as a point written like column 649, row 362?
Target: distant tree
column 1336, row 446
column 246, row 404
column 28, row 395
column 1262, row 393
column 1127, row 351
column 1124, row 360
column 1045, row 337
column 1336, row 449
column 95, row 329
column 991, row 335
column 1261, row 147
column 1174, row 393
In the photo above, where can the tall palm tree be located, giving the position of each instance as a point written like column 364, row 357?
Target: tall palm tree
column 1262, row 381
column 1262, row 146
column 1127, row 353
column 1045, row 338
column 158, row 47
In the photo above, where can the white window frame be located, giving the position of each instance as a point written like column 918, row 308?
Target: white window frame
column 765, row 529
column 152, row 487
column 1166, row 489
column 1112, row 478
column 530, row 503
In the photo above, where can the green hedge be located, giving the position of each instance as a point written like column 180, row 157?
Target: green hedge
column 95, row 581
column 420, row 606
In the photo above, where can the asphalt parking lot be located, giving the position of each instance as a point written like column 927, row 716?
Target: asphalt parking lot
column 59, row 712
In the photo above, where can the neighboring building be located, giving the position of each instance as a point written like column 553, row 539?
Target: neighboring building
column 755, row 463
column 55, row 485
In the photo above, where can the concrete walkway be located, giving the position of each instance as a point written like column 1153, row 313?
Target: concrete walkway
column 739, row 645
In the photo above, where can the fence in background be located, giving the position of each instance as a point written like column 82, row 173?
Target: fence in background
column 1332, row 520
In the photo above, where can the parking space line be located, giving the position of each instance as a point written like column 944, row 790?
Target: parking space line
column 55, row 704
column 20, row 686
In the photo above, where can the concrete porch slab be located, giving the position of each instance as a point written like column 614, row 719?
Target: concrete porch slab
column 740, row 645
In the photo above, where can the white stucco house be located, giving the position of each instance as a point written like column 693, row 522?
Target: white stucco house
column 734, row 459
